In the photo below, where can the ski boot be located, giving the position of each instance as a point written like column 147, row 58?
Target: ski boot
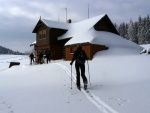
column 85, row 86
column 79, row 87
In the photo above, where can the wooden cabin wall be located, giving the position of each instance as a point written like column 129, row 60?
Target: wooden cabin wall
column 90, row 50
column 87, row 50
column 96, row 48
column 68, row 52
column 73, row 48
column 51, row 43
column 56, row 52
column 42, row 41
column 54, row 34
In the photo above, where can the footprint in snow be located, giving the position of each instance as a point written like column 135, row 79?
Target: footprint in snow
column 5, row 106
column 118, row 99
column 120, row 104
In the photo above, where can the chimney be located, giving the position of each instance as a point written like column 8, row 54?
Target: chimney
column 69, row 21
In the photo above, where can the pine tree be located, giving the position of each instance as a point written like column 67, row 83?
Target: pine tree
column 132, row 31
column 135, row 28
column 140, row 30
column 147, row 32
column 122, row 30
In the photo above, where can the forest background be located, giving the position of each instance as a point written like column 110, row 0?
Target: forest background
column 138, row 31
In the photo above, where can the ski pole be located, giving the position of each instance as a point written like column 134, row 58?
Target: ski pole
column 88, row 72
column 71, row 76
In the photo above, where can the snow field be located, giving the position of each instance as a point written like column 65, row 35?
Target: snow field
column 119, row 84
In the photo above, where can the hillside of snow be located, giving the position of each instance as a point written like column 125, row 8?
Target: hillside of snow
column 119, row 84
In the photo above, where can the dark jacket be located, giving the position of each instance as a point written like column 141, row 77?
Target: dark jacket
column 31, row 56
column 80, row 56
column 47, row 54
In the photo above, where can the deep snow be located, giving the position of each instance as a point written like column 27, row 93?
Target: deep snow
column 120, row 83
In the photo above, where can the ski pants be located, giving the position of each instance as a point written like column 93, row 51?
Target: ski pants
column 80, row 67
column 32, row 59
column 48, row 59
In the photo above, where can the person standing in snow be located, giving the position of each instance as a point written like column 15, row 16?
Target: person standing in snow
column 31, row 58
column 48, row 57
column 80, row 57
column 40, row 58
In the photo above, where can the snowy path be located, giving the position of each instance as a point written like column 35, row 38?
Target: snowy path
column 40, row 89
column 101, row 105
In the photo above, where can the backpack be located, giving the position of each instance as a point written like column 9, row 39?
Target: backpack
column 81, row 57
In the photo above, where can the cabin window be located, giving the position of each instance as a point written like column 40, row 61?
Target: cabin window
column 42, row 35
column 71, row 50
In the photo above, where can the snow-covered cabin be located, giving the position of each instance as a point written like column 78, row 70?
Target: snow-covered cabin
column 62, row 38
column 47, row 33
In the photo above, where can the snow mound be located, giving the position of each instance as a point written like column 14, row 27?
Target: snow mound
column 146, row 49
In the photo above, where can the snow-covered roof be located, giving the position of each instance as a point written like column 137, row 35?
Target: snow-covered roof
column 33, row 43
column 102, row 38
column 55, row 24
column 81, row 27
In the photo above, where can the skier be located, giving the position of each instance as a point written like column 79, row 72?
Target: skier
column 80, row 57
column 31, row 58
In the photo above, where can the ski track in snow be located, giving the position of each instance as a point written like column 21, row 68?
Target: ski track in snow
column 101, row 105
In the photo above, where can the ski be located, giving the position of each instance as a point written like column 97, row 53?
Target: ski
column 87, row 91
column 79, row 88
column 85, row 88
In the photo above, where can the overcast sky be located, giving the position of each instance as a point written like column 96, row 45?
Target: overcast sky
column 19, row 17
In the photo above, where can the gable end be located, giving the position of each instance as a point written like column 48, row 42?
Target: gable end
column 105, row 24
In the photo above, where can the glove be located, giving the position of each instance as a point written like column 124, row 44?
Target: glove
column 71, row 63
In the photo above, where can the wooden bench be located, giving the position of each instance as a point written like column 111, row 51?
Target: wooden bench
column 13, row 63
